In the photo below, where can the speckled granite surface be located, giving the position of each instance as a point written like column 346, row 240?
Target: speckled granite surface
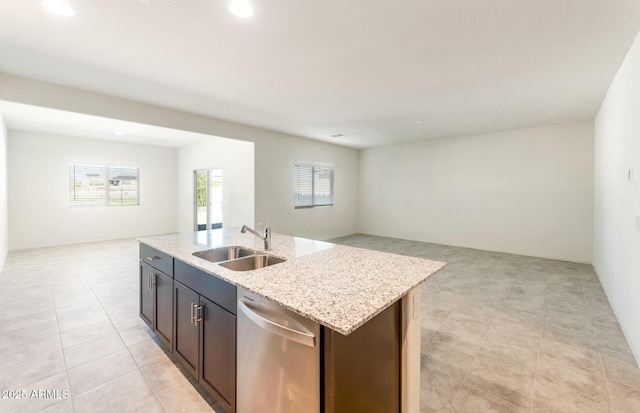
column 338, row 286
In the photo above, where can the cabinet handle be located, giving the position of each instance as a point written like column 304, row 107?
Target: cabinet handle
column 154, row 258
column 149, row 281
column 192, row 317
column 199, row 308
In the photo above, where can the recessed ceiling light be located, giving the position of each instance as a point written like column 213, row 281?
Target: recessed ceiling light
column 241, row 8
column 419, row 122
column 336, row 135
column 118, row 132
column 58, row 7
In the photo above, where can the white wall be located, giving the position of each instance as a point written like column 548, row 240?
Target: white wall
column 235, row 158
column 4, row 220
column 39, row 213
column 616, row 254
column 275, row 160
column 526, row 191
column 275, row 154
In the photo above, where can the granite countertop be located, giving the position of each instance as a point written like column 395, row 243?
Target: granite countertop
column 338, row 286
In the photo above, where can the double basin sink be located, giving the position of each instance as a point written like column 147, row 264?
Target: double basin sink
column 239, row 258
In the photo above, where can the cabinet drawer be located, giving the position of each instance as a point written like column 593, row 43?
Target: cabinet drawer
column 157, row 259
column 207, row 285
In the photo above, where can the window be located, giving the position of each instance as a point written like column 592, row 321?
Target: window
column 313, row 186
column 97, row 185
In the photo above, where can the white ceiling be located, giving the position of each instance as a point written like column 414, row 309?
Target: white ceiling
column 58, row 122
column 368, row 69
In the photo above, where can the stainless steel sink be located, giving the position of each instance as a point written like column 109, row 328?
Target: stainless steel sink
column 224, row 253
column 252, row 262
column 238, row 258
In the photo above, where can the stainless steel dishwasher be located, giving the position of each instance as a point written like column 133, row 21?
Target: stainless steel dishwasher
column 278, row 367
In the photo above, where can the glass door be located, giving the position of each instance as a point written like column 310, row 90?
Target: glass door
column 208, row 199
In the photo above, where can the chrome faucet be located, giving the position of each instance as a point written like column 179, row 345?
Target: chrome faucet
column 266, row 237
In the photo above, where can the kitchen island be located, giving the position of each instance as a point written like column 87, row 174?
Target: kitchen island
column 356, row 296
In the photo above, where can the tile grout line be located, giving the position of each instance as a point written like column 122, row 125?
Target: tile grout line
column 476, row 356
column 138, row 368
column 55, row 313
column 538, row 353
column 548, row 319
column 73, row 406
column 154, row 392
column 64, row 359
column 464, row 380
column 437, row 331
column 604, row 373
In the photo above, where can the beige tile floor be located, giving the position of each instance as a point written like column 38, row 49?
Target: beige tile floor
column 500, row 333
column 69, row 321
column 508, row 333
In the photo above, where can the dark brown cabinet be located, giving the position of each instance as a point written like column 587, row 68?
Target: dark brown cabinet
column 194, row 315
column 205, row 331
column 362, row 370
column 146, row 294
column 156, row 301
column 164, row 307
column 218, row 344
column 157, row 259
column 187, row 337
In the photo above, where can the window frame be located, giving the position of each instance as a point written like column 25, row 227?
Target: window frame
column 106, row 171
column 313, row 167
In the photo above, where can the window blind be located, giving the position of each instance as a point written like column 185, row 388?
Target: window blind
column 313, row 186
column 99, row 185
column 86, row 185
column 123, row 185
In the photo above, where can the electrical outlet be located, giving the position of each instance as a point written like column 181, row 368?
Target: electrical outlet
column 632, row 175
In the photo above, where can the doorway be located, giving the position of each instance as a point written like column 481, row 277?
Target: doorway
column 208, row 199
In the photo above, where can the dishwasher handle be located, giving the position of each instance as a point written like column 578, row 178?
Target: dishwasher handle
column 262, row 319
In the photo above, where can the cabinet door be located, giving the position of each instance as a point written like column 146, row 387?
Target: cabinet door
column 146, row 294
column 163, row 285
column 186, row 337
column 218, row 343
